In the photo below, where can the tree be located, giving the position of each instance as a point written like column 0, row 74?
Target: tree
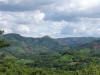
column 3, row 42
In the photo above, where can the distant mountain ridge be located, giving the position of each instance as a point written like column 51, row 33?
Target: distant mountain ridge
column 27, row 46
column 77, row 41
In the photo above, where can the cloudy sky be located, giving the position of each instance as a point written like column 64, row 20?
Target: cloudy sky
column 56, row 18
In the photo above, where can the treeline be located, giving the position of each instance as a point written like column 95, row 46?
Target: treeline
column 10, row 67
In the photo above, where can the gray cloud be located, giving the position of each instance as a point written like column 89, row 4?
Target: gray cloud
column 55, row 10
column 23, row 5
column 56, row 18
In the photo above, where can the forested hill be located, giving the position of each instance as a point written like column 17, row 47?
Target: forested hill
column 26, row 46
column 48, row 43
column 22, row 45
column 77, row 41
column 92, row 45
column 70, row 41
column 49, row 56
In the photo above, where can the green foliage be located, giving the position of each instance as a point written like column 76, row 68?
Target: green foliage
column 66, row 58
column 47, row 56
column 23, row 47
column 77, row 41
column 3, row 43
column 10, row 67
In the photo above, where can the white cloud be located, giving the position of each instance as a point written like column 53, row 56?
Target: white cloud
column 7, row 30
column 77, row 5
column 25, row 23
column 38, row 16
column 23, row 28
column 86, row 4
column 30, row 24
column 50, row 17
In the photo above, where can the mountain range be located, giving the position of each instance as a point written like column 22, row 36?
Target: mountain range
column 30, row 47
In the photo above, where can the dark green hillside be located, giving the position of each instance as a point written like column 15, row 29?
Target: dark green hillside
column 91, row 44
column 29, row 47
column 77, row 41
column 94, row 48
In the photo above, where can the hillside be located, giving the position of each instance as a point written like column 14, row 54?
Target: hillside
column 26, row 46
column 77, row 41
column 30, row 47
column 48, row 56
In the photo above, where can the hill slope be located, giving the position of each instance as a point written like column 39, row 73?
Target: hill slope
column 77, row 41
column 26, row 46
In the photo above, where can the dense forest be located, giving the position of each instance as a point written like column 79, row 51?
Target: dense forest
column 47, row 56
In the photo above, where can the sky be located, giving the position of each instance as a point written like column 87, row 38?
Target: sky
column 55, row 18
